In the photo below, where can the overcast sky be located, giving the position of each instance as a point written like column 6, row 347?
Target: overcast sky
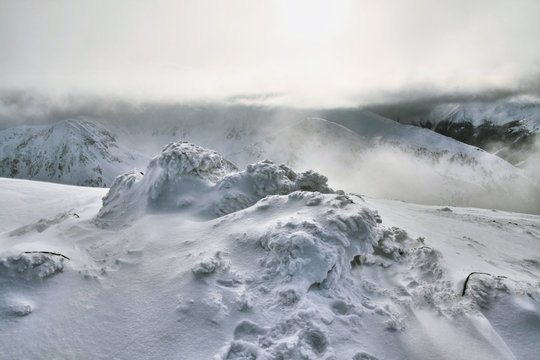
column 305, row 53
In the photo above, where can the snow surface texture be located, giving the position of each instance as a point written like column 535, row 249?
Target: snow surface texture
column 292, row 273
column 370, row 155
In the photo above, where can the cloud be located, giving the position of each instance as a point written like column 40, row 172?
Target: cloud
column 408, row 104
column 315, row 53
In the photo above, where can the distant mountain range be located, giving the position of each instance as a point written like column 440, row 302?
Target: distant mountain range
column 507, row 127
column 365, row 153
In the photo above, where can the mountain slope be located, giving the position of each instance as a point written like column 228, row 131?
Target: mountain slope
column 74, row 151
column 515, row 113
column 368, row 154
column 507, row 127
column 295, row 274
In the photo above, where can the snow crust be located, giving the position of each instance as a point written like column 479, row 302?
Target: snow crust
column 195, row 259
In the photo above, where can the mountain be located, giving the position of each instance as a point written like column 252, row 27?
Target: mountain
column 361, row 152
column 514, row 114
column 194, row 258
column 508, row 127
column 368, row 154
column 74, row 151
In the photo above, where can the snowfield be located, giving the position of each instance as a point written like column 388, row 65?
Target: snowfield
column 195, row 258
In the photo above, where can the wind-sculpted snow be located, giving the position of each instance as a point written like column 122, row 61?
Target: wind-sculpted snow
column 300, row 259
column 317, row 252
column 42, row 224
column 24, row 270
column 327, row 276
column 29, row 266
column 186, row 177
column 178, row 160
column 283, row 271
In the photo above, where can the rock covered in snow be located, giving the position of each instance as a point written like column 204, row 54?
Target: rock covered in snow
column 182, row 161
column 30, row 266
column 318, row 251
column 183, row 169
column 316, row 262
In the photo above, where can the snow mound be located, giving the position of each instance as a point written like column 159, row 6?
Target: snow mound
column 314, row 275
column 187, row 177
column 304, row 253
column 242, row 189
column 316, row 252
column 182, row 159
column 30, row 266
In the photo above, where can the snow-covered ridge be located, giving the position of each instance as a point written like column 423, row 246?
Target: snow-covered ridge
column 523, row 114
column 507, row 127
column 74, row 151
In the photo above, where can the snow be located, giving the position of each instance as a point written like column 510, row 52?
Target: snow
column 183, row 169
column 197, row 259
column 73, row 151
column 24, row 201
column 29, row 267
column 504, row 245
column 524, row 111
column 367, row 154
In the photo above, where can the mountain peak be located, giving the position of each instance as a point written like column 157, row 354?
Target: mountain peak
column 74, row 151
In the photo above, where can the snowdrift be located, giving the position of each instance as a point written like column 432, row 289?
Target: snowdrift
column 186, row 177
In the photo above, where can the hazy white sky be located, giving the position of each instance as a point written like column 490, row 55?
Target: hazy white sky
column 307, row 52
